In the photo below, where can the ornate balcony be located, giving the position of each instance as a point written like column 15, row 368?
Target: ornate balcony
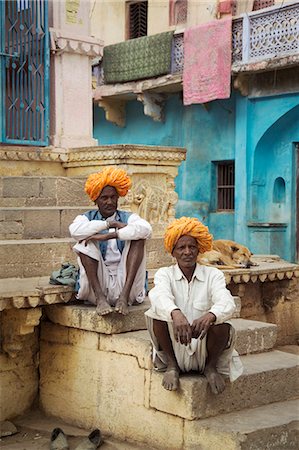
column 259, row 36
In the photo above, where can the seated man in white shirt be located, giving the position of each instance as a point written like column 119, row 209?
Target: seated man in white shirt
column 189, row 309
column 111, row 246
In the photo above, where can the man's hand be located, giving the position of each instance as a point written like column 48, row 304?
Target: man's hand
column 100, row 237
column 181, row 327
column 115, row 224
column 201, row 326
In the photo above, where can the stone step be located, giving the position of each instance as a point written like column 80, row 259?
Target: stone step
column 263, row 382
column 34, row 257
column 251, row 336
column 273, row 426
column 42, row 191
column 22, row 258
column 37, row 222
column 105, row 360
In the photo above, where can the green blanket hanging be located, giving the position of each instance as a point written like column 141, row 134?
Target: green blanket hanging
column 144, row 57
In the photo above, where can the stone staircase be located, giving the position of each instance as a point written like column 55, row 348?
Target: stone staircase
column 257, row 411
column 97, row 372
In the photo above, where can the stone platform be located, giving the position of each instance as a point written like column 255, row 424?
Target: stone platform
column 116, row 370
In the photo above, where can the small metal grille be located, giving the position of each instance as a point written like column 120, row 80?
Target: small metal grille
column 137, row 15
column 226, row 186
column 260, row 4
column 178, row 10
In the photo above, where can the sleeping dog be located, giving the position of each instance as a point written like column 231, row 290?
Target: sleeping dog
column 228, row 255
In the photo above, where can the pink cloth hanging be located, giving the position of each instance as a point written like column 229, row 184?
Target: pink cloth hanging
column 207, row 61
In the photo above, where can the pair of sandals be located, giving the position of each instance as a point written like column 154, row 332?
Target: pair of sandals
column 59, row 440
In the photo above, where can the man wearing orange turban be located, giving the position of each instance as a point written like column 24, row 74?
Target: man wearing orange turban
column 110, row 246
column 190, row 306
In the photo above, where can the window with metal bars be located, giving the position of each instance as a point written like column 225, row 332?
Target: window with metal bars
column 260, row 4
column 226, row 186
column 136, row 13
column 178, row 10
column 257, row 4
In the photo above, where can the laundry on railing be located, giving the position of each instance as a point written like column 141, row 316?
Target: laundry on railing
column 207, row 62
column 144, row 57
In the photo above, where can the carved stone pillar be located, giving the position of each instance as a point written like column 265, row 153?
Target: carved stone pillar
column 71, row 88
column 153, row 171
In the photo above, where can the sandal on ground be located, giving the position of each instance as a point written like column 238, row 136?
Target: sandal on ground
column 92, row 442
column 58, row 440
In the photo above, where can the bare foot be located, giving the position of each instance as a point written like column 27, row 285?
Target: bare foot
column 215, row 380
column 103, row 308
column 121, row 306
column 171, row 379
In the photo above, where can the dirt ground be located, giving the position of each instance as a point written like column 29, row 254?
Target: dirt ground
column 34, row 431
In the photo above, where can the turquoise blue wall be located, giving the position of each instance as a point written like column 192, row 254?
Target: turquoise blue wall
column 207, row 134
column 266, row 132
column 260, row 134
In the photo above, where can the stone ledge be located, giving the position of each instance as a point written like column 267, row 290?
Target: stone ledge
column 85, row 317
column 268, row 268
column 31, row 292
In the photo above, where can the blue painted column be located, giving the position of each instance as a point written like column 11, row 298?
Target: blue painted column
column 241, row 169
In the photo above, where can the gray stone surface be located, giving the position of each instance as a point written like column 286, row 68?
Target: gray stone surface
column 43, row 191
column 37, row 222
column 253, row 336
column 263, row 382
column 34, row 257
column 271, row 427
column 84, row 317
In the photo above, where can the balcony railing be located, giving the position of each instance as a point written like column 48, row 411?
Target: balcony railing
column 257, row 36
column 269, row 34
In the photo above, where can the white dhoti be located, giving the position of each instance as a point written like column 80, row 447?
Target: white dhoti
column 112, row 278
column 193, row 356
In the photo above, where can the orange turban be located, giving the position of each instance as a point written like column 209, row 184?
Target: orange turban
column 110, row 176
column 187, row 226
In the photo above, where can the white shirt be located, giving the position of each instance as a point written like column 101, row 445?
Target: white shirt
column 206, row 292
column 137, row 228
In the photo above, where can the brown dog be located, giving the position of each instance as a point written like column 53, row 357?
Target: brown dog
column 227, row 254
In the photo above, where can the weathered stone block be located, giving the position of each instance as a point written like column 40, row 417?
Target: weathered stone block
column 253, row 336
column 33, row 258
column 262, row 373
column 135, row 343
column 15, row 187
column 272, row 426
column 41, row 223
column 85, row 317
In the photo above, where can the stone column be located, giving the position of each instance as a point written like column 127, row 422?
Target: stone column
column 72, row 49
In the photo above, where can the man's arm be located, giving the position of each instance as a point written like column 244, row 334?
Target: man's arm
column 137, row 228
column 82, row 228
column 223, row 302
column 164, row 307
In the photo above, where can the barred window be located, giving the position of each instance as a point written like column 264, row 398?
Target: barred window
column 226, row 186
column 136, row 19
column 178, row 10
column 257, row 4
column 260, row 4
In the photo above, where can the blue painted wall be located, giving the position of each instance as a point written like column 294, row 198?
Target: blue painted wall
column 260, row 134
column 208, row 135
column 266, row 132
